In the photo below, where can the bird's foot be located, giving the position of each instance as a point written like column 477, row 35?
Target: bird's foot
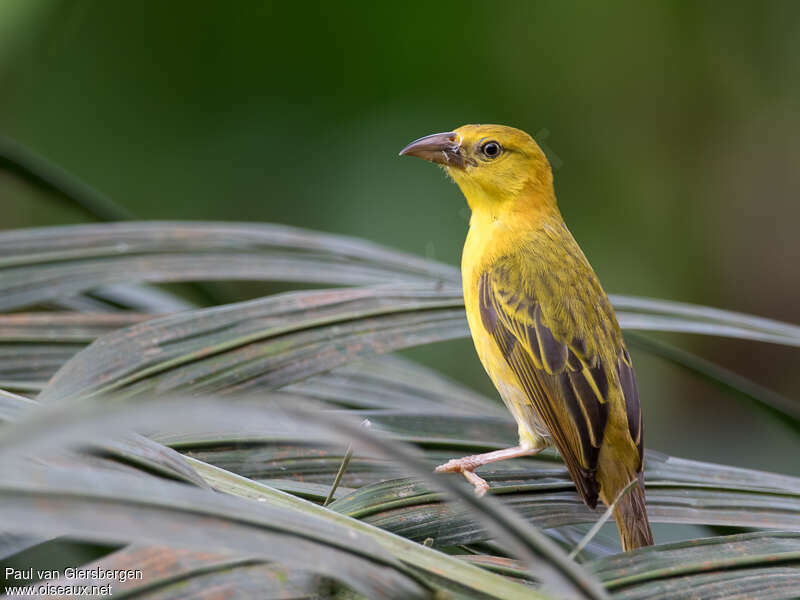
column 467, row 464
column 459, row 465
column 466, row 467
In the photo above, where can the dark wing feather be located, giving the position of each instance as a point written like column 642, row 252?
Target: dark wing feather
column 567, row 387
column 630, row 391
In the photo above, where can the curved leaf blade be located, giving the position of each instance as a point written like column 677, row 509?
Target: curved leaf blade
column 762, row 564
column 264, row 343
column 114, row 508
column 38, row 265
column 172, row 573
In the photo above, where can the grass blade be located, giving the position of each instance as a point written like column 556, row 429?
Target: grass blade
column 41, row 172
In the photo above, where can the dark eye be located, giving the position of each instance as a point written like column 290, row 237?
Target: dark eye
column 491, row 149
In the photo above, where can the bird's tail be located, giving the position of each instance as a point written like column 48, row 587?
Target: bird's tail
column 631, row 516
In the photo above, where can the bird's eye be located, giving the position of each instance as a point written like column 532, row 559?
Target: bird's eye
column 491, row 149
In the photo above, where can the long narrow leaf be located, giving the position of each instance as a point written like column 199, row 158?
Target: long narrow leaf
column 414, row 511
column 170, row 573
column 452, row 573
column 707, row 314
column 11, row 544
column 33, row 346
column 268, row 343
column 271, row 342
column 13, row 407
column 133, row 450
column 63, row 328
column 261, row 454
column 39, row 171
column 115, row 508
column 96, row 414
column 41, row 264
column 775, row 403
column 45, row 264
column 764, row 565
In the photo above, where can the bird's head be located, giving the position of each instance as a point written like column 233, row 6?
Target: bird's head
column 490, row 163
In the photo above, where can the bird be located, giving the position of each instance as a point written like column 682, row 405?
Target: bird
column 543, row 327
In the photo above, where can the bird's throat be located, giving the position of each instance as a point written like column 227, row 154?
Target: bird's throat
column 523, row 212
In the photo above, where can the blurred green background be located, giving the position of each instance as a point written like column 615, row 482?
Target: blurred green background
column 672, row 128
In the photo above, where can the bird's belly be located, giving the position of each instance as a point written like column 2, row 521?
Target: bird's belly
column 532, row 431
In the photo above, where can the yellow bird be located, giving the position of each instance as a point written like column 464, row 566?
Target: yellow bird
column 543, row 327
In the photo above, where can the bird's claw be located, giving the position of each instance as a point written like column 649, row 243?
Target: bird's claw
column 466, row 467
column 459, row 465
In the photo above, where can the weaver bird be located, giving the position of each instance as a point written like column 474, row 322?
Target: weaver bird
column 543, row 327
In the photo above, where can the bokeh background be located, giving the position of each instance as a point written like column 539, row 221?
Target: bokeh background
column 673, row 129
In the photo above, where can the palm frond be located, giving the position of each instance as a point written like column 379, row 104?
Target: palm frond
column 753, row 565
column 142, row 414
column 39, row 265
column 114, row 508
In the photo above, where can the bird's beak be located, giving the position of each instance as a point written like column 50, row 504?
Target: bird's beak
column 441, row 148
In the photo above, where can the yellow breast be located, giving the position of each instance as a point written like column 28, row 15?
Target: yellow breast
column 488, row 239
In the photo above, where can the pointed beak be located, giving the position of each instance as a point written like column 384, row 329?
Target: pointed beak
column 441, row 148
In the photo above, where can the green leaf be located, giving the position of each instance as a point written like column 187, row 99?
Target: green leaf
column 679, row 490
column 110, row 507
column 281, row 413
column 409, row 508
column 322, row 345
column 132, row 452
column 33, row 346
column 68, row 328
column 13, row 407
column 274, row 342
column 264, row 343
column 146, row 299
column 42, row 173
column 777, row 405
column 547, row 561
column 51, row 263
column 168, row 573
column 450, row 572
column 390, row 382
column 261, row 343
column 716, row 321
column 764, row 565
column 37, row 265
column 11, row 544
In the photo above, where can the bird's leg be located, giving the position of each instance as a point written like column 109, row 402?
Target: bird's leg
column 467, row 464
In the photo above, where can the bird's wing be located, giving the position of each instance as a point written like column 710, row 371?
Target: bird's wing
column 563, row 375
